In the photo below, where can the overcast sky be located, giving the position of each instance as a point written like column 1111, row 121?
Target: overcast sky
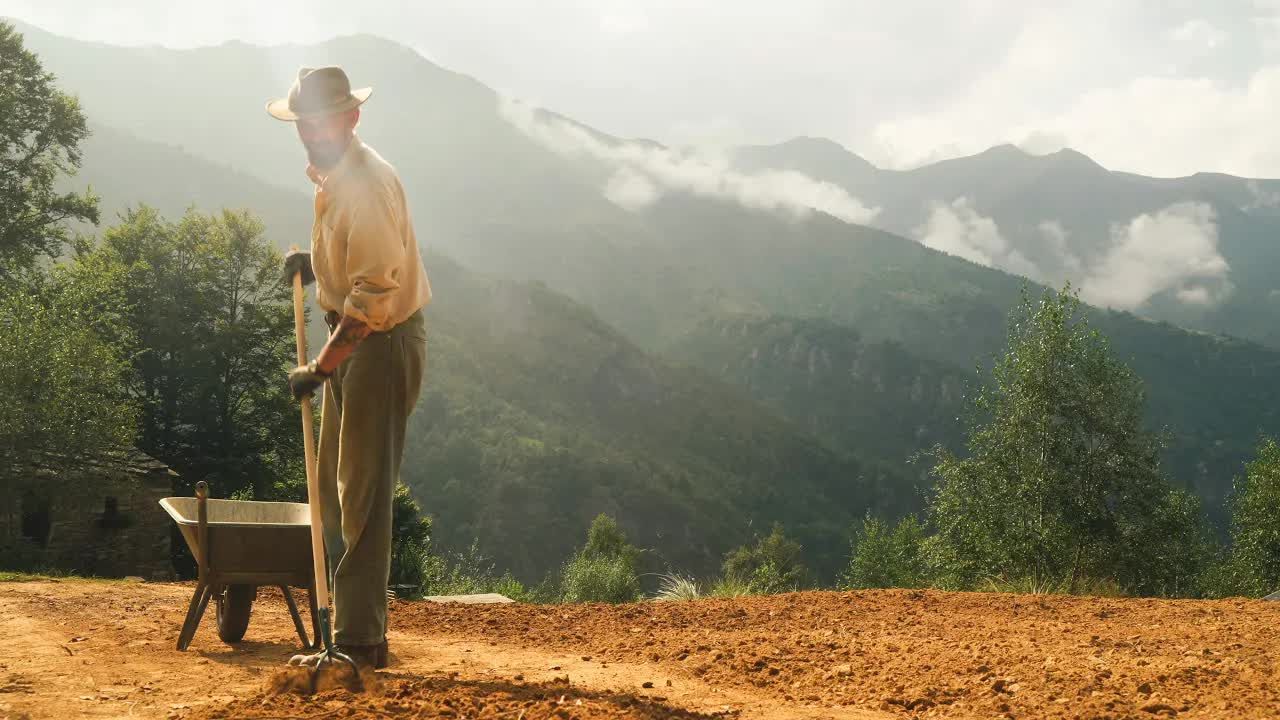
column 1163, row 88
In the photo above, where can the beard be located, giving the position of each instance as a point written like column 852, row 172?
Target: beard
column 324, row 156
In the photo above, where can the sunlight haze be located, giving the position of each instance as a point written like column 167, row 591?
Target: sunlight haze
column 1159, row 88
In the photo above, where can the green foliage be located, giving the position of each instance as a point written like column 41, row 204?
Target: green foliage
column 599, row 579
column 606, row 540
column 1050, row 586
column 469, row 572
column 730, row 587
column 410, row 542
column 40, row 133
column 604, row 570
column 60, row 382
column 885, row 557
column 208, row 327
column 773, row 564
column 1253, row 567
column 1062, row 483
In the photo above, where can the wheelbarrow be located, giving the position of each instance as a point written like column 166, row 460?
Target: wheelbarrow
column 240, row 545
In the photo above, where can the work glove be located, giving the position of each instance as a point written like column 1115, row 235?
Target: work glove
column 296, row 261
column 304, row 379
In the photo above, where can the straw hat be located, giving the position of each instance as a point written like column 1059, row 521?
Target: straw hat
column 318, row 92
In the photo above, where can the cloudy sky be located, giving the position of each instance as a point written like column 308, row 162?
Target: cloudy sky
column 1162, row 88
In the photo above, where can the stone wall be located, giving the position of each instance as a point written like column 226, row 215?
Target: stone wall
column 98, row 517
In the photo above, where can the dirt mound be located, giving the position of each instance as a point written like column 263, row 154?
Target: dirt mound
column 925, row 653
column 401, row 696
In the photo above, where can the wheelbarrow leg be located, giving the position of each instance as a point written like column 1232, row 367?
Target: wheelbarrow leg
column 297, row 619
column 199, row 600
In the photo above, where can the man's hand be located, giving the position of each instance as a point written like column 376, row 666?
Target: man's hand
column 296, row 261
column 304, row 379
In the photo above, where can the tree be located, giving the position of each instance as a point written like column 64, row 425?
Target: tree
column 60, row 383
column 772, row 565
column 884, row 557
column 208, row 328
column 1254, row 565
column 40, row 132
column 1062, row 484
column 604, row 570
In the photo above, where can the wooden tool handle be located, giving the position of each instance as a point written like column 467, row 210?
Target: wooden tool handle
column 309, row 447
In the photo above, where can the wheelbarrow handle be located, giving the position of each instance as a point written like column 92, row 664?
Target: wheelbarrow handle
column 309, row 447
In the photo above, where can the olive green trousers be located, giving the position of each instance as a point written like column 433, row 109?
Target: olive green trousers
column 367, row 403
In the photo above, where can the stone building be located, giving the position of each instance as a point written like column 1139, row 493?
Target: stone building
column 95, row 515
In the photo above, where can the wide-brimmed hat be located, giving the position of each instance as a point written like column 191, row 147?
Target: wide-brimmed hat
column 318, row 92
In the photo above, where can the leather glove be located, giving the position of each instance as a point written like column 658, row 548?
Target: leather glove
column 296, row 261
column 304, row 379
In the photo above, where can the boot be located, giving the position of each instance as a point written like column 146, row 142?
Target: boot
column 374, row 656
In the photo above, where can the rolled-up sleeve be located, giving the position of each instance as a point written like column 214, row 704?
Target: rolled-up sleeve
column 375, row 258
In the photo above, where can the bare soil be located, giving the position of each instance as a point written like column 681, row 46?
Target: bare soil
column 93, row 649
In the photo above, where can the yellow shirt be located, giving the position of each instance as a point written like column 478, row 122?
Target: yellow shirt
column 363, row 250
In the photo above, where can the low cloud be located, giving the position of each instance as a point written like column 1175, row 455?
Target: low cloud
column 1174, row 249
column 1055, row 236
column 1262, row 198
column 957, row 229
column 631, row 190
column 644, row 171
column 1171, row 250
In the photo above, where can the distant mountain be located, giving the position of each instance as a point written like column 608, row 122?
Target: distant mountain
column 664, row 247
column 537, row 416
column 1060, row 213
column 875, row 396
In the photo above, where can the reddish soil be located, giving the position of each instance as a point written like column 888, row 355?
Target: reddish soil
column 89, row 649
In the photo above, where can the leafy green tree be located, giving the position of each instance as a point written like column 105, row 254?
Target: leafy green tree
column 40, row 133
column 208, row 329
column 773, row 564
column 884, row 556
column 1062, row 484
column 60, row 383
column 604, row 570
column 1254, row 564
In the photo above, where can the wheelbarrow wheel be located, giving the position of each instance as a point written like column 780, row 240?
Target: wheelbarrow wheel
column 234, row 604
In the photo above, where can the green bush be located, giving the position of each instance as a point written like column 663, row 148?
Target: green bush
column 467, row 573
column 600, row 579
column 772, row 565
column 604, row 570
column 730, row 587
column 411, row 559
column 882, row 557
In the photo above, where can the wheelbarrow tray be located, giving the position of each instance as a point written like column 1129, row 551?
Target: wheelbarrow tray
column 249, row 541
column 239, row 545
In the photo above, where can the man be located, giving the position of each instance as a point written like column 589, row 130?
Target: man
column 371, row 282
